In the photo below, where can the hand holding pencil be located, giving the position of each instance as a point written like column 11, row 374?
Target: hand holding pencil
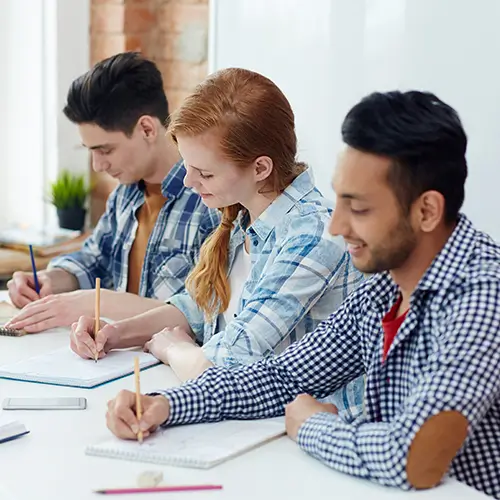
column 122, row 420
column 90, row 337
column 86, row 343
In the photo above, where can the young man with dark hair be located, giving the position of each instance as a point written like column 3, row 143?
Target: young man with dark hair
column 425, row 329
column 146, row 242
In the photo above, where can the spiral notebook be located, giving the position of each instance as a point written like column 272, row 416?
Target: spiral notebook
column 64, row 367
column 198, row 446
column 7, row 312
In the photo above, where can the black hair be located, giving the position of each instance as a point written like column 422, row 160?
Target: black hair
column 424, row 138
column 116, row 92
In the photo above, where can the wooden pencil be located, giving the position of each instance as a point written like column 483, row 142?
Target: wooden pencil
column 97, row 325
column 138, row 405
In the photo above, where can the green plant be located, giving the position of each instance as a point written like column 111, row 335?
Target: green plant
column 69, row 191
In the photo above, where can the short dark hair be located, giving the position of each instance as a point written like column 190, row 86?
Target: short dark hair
column 116, row 92
column 422, row 135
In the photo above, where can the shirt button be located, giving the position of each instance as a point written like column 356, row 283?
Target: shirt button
column 255, row 243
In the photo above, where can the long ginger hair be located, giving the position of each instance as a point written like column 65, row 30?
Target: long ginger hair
column 252, row 118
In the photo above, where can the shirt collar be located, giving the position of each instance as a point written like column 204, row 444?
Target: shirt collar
column 444, row 269
column 172, row 186
column 302, row 185
column 452, row 259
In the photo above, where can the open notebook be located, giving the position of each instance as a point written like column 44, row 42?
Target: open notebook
column 199, row 446
column 64, row 367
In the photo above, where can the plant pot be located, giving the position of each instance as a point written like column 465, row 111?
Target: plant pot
column 71, row 218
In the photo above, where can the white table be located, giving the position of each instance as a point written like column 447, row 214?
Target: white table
column 49, row 463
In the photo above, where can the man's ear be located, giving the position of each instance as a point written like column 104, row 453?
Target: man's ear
column 148, row 127
column 430, row 210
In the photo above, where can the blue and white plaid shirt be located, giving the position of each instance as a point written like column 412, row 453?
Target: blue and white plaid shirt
column 182, row 225
column 446, row 356
column 299, row 275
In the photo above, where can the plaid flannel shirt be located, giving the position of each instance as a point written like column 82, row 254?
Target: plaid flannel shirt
column 182, row 225
column 446, row 356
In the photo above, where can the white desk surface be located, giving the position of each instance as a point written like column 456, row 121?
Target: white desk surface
column 49, row 463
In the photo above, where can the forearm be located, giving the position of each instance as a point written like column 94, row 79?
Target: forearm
column 251, row 392
column 370, row 451
column 119, row 305
column 138, row 330
column 61, row 280
column 187, row 360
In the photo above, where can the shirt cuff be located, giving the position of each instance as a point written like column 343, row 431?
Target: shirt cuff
column 191, row 312
column 312, row 430
column 73, row 268
column 187, row 404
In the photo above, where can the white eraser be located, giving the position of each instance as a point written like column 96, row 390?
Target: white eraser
column 149, row 478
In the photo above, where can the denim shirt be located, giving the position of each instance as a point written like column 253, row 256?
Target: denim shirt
column 299, row 275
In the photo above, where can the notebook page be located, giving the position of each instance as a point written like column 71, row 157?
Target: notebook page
column 197, row 445
column 7, row 312
column 64, row 367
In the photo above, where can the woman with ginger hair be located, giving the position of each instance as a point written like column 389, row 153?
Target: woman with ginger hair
column 269, row 273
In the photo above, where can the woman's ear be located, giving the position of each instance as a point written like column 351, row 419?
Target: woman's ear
column 263, row 166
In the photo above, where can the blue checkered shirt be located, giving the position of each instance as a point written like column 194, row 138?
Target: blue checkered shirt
column 181, row 227
column 446, row 356
column 299, row 274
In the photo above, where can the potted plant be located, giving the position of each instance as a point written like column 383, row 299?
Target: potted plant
column 68, row 193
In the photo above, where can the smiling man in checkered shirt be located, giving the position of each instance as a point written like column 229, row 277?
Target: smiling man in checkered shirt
column 425, row 329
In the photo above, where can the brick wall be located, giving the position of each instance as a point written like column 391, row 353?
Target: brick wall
column 173, row 33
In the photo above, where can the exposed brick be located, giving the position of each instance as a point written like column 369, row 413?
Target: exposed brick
column 175, row 97
column 137, row 43
column 173, row 17
column 100, row 2
column 185, row 1
column 192, row 44
column 105, row 45
column 165, row 46
column 107, row 18
column 139, row 18
column 173, row 33
column 182, row 75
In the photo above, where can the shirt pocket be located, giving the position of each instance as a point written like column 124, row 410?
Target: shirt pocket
column 169, row 267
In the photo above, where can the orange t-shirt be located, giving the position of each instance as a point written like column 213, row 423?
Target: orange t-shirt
column 147, row 214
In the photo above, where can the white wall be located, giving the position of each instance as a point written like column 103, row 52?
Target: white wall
column 45, row 45
column 69, row 48
column 327, row 56
column 21, row 90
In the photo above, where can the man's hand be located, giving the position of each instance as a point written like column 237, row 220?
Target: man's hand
column 22, row 288
column 302, row 408
column 53, row 311
column 121, row 416
column 82, row 338
column 161, row 342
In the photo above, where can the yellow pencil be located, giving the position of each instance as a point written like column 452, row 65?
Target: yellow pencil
column 138, row 406
column 97, row 325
